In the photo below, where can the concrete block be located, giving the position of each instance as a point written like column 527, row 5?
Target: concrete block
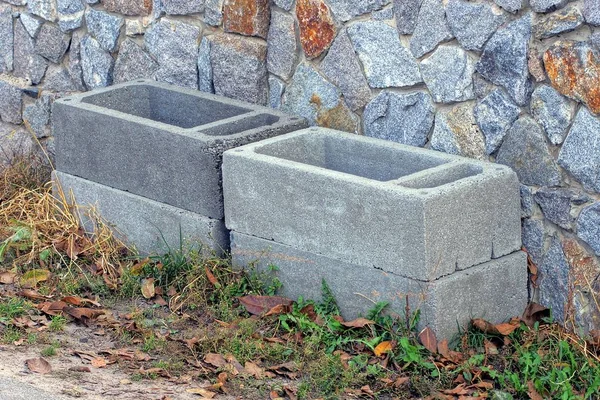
column 495, row 290
column 414, row 212
column 159, row 141
column 151, row 226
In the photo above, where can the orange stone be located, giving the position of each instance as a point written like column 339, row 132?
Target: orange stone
column 248, row 17
column 574, row 70
column 317, row 29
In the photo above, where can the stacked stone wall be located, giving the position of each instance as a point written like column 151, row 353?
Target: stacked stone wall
column 507, row 81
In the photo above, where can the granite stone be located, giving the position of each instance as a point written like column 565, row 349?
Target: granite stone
column 554, row 285
column 524, row 149
column 246, row 17
column 31, row 24
column 533, row 239
column 15, row 141
column 510, row 5
column 59, row 80
column 70, row 14
column 448, row 74
column 588, row 226
column 128, row 7
column 285, row 4
column 386, row 62
column 10, row 102
column 341, row 67
column 527, row 202
column 495, row 114
column 74, row 62
column 276, row 89
column 183, row 7
column 406, row 13
column 473, row 23
column 51, row 43
column 6, row 39
column 205, row 74
column 345, row 10
column 134, row 27
column 27, row 63
column 36, row 117
column 580, row 153
column 504, row 59
column 104, row 27
column 133, row 63
column 431, row 28
column 282, row 47
column 96, row 63
column 543, row 6
column 552, row 111
column 213, row 12
column 591, row 12
column 317, row 27
column 384, row 14
column 456, row 132
column 566, row 20
column 174, row 45
column 402, row 118
column 556, row 205
column 43, row 8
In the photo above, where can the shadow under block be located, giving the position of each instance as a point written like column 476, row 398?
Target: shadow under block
column 152, row 226
column 159, row 141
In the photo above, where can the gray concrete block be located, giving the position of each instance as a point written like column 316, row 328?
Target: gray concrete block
column 151, row 226
column 159, row 141
column 495, row 290
column 415, row 212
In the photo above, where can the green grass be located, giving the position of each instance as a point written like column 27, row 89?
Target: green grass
column 57, row 323
column 12, row 308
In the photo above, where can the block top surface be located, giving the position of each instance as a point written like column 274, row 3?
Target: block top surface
column 178, row 110
column 369, row 161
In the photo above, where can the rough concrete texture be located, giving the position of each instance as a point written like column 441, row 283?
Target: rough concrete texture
column 373, row 203
column 495, row 290
column 109, row 136
column 150, row 226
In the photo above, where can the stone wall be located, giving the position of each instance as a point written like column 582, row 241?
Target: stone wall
column 501, row 80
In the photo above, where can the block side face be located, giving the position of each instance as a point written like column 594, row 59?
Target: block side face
column 470, row 222
column 147, row 224
column 302, row 272
column 173, row 169
column 344, row 219
column 495, row 291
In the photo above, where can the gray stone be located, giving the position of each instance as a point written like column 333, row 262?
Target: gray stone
column 239, row 68
column 179, row 129
column 542, row 6
column 213, row 12
column 524, row 150
column 27, row 63
column 96, row 63
column 183, row 7
column 385, row 61
column 591, row 12
column 556, row 205
column 345, row 10
column 150, row 226
column 60, row 81
column 105, row 28
column 133, row 63
column 51, row 43
column 431, row 28
column 132, row 7
column 554, row 283
column 383, row 15
column 448, row 74
column 533, row 239
column 406, row 12
column 565, row 20
column 6, row 40
column 446, row 305
column 504, row 59
column 43, row 8
column 205, row 75
column 402, row 118
column 10, row 102
column 312, row 97
column 31, row 24
column 595, row 40
column 473, row 23
column 342, row 68
column 36, row 117
column 373, row 203
column 70, row 14
column 580, row 153
column 495, row 114
column 456, row 132
column 552, row 111
column 74, row 63
column 285, row 4
column 174, row 45
column 282, row 47
column 276, row 89
column 527, row 203
column 134, row 27
column 510, row 5
column 15, row 142
column 481, row 87
column 588, row 226
column 16, row 2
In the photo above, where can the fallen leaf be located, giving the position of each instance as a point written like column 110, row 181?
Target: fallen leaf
column 443, row 348
column 490, row 348
column 211, row 277
column 215, row 360
column 83, row 313
column 383, row 348
column 459, row 390
column 73, row 300
column 258, row 305
column 273, row 395
column 7, row 277
column 309, row 311
column 32, row 294
column 160, row 301
column 98, row 362
column 137, row 268
column 32, row 277
column 533, row 313
column 52, row 308
column 278, row 309
column 207, row 394
column 533, row 394
column 148, row 288
column 291, row 392
column 38, row 365
column 428, row 339
column 80, row 368
column 254, row 370
column 357, row 323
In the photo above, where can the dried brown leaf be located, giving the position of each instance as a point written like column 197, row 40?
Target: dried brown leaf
column 533, row 394
column 258, row 305
column 38, row 365
column 148, row 290
column 357, row 323
column 254, row 370
column 215, row 360
column 428, row 339
column 32, row 277
column 533, row 313
column 383, row 348
column 7, row 277
column 99, row 362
